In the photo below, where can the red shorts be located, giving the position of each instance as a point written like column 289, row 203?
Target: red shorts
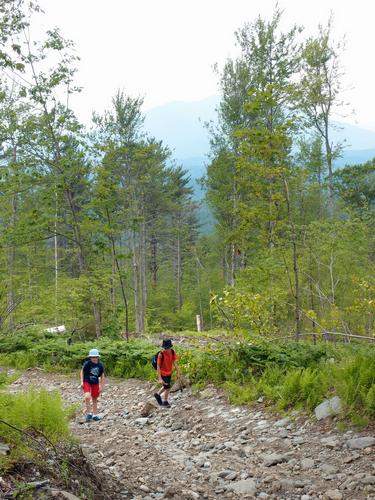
column 94, row 389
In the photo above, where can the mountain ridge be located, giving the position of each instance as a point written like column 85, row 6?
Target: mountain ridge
column 180, row 124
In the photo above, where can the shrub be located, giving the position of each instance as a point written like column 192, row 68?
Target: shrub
column 304, row 387
column 370, row 401
column 42, row 410
column 270, row 383
column 239, row 394
column 287, row 374
column 6, row 379
column 356, row 382
column 35, row 411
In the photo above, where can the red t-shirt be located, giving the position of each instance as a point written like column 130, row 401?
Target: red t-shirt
column 165, row 361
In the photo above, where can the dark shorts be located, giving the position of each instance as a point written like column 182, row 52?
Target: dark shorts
column 166, row 381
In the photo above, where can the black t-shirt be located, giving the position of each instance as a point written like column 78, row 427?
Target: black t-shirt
column 92, row 372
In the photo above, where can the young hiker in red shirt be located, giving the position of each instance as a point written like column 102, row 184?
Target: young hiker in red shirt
column 166, row 363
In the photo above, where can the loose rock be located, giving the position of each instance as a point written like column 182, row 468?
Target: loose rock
column 274, row 459
column 244, row 487
column 328, row 408
column 333, row 495
column 4, row 449
column 361, row 442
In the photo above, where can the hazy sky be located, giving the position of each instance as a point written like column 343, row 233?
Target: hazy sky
column 165, row 49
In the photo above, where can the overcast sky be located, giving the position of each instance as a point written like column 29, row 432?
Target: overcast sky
column 165, row 49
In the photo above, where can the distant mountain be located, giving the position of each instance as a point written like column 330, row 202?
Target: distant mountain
column 354, row 137
column 197, row 166
column 181, row 126
column 354, row 157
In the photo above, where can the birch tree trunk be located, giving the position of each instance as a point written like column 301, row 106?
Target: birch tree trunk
column 329, row 156
column 97, row 317
column 55, row 242
column 178, row 272
column 297, row 292
column 12, row 252
column 143, row 275
column 112, row 290
column 154, row 261
column 232, row 275
column 135, row 284
column 12, row 260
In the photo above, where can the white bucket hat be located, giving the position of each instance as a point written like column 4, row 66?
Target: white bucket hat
column 94, row 353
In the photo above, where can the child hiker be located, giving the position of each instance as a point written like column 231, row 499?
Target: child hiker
column 92, row 380
column 166, row 363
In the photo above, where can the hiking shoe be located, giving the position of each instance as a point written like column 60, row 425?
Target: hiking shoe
column 166, row 404
column 88, row 417
column 96, row 418
column 158, row 398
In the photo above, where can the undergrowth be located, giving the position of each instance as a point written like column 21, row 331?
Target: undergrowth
column 30, row 414
column 287, row 375
column 6, row 379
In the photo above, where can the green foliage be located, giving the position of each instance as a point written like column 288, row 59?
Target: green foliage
column 351, row 376
column 6, row 379
column 39, row 410
column 243, row 309
column 356, row 186
column 370, row 401
column 304, row 387
column 296, row 238
column 239, row 394
column 293, row 374
column 356, row 382
column 289, row 355
column 270, row 382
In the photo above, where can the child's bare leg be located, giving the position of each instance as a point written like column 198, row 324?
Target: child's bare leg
column 161, row 391
column 166, row 394
column 95, row 406
column 88, row 402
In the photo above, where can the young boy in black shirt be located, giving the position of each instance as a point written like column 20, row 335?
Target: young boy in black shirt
column 92, row 381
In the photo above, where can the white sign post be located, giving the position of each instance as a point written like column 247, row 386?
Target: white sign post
column 199, row 323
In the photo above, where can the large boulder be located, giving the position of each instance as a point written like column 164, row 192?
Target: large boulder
column 361, row 442
column 274, row 459
column 244, row 487
column 148, row 409
column 328, row 408
column 332, row 495
column 180, row 384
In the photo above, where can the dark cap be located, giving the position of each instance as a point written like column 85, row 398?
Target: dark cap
column 167, row 344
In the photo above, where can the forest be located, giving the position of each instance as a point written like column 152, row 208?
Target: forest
column 100, row 229
column 104, row 243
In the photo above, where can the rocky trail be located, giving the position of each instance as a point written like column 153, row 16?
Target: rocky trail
column 204, row 448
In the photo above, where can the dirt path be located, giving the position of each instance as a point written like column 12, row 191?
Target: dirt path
column 204, row 448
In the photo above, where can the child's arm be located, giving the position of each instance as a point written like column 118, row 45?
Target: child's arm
column 81, row 375
column 159, row 374
column 101, row 377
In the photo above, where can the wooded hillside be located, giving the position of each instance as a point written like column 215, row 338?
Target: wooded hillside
column 99, row 229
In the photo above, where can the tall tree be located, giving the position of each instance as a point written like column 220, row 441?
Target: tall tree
column 268, row 63
column 321, row 93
